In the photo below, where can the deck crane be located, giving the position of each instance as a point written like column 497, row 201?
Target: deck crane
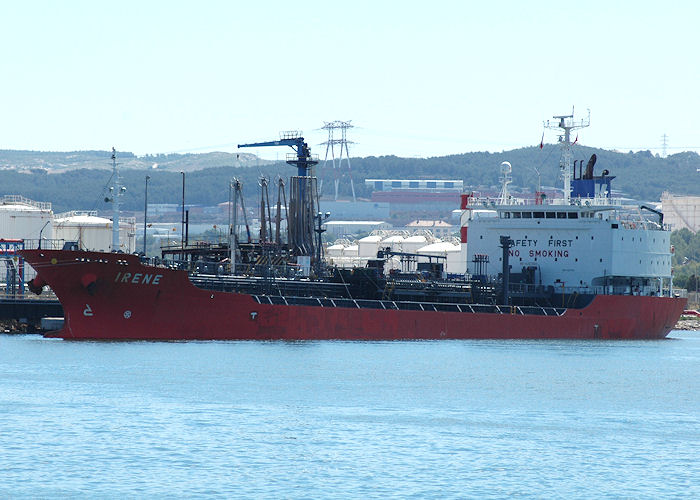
column 301, row 213
column 302, row 159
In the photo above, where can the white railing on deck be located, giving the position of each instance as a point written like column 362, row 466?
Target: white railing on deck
column 488, row 202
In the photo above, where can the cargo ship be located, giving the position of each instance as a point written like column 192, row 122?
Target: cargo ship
column 582, row 266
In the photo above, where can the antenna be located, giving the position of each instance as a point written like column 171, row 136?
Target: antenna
column 567, row 124
column 330, row 147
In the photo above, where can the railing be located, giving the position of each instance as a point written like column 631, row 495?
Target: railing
column 224, row 268
column 492, row 202
column 127, row 220
column 46, row 244
column 408, row 305
column 293, row 157
column 74, row 213
column 21, row 200
column 649, row 291
column 46, row 294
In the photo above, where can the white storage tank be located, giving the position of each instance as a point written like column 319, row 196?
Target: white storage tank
column 335, row 250
column 413, row 243
column 93, row 232
column 368, row 246
column 455, row 261
column 351, row 251
column 22, row 218
column 393, row 242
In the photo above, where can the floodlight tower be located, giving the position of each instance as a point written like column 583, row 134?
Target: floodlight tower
column 567, row 124
column 330, row 147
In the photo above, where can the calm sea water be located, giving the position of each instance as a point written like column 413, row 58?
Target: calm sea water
column 446, row 419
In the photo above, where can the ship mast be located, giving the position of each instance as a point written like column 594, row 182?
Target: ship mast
column 116, row 190
column 506, row 170
column 567, row 124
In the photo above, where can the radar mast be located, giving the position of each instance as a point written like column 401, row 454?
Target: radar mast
column 567, row 124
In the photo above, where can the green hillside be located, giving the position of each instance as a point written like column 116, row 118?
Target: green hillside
column 45, row 176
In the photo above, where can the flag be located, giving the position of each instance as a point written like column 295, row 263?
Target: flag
column 542, row 141
column 575, row 140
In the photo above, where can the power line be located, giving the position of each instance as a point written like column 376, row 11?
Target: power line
column 343, row 142
column 664, row 145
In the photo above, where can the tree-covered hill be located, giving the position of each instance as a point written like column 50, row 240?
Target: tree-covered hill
column 639, row 175
column 59, row 162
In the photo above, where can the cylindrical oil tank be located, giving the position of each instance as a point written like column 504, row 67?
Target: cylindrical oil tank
column 368, row 246
column 94, row 233
column 393, row 242
column 21, row 218
column 335, row 250
column 413, row 243
column 455, row 262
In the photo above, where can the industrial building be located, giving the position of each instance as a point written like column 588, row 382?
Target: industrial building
column 411, row 195
column 681, row 211
column 439, row 228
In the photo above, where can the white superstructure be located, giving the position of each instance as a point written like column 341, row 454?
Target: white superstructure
column 575, row 247
column 586, row 242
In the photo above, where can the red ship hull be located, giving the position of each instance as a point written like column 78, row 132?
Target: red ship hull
column 115, row 297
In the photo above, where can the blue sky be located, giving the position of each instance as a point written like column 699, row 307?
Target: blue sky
column 416, row 78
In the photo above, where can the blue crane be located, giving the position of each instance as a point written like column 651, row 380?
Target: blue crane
column 303, row 160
